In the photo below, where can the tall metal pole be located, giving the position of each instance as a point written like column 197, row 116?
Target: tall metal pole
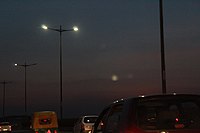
column 25, row 90
column 163, row 71
column 4, row 95
column 60, row 30
column 61, row 99
column 25, row 65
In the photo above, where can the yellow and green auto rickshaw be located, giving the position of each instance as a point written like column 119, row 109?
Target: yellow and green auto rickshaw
column 45, row 122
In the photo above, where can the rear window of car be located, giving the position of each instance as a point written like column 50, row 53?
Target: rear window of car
column 174, row 113
column 45, row 121
column 90, row 119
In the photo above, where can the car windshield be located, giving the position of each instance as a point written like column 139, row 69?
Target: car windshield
column 169, row 114
column 90, row 119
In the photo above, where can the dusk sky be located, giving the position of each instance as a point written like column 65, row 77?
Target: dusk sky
column 116, row 38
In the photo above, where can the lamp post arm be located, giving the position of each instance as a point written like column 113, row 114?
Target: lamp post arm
column 54, row 29
column 26, row 65
column 31, row 64
column 60, row 30
column 68, row 30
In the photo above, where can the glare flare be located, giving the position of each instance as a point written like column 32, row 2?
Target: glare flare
column 44, row 27
column 75, row 28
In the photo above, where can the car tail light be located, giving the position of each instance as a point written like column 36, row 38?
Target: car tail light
column 55, row 131
column 49, row 131
column 36, row 132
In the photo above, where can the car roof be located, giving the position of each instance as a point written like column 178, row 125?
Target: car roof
column 89, row 116
column 154, row 97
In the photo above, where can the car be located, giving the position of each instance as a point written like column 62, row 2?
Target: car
column 84, row 124
column 5, row 127
column 18, row 122
column 167, row 113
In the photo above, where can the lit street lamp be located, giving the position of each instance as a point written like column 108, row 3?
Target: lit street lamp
column 4, row 95
column 60, row 30
column 25, row 92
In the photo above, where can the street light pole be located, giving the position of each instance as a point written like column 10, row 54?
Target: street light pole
column 60, row 30
column 25, row 65
column 61, row 85
column 163, row 71
column 4, row 95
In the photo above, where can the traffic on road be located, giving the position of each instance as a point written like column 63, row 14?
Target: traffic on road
column 169, row 113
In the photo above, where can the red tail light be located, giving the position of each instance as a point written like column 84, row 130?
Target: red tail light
column 49, row 131
column 55, row 131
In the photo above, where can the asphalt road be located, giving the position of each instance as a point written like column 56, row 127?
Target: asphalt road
column 28, row 131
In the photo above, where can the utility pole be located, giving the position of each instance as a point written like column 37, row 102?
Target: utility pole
column 162, row 48
column 25, row 65
column 60, row 30
column 4, row 94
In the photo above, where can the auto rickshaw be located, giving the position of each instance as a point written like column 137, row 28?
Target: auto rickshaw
column 45, row 122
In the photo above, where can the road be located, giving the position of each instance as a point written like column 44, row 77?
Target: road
column 28, row 131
